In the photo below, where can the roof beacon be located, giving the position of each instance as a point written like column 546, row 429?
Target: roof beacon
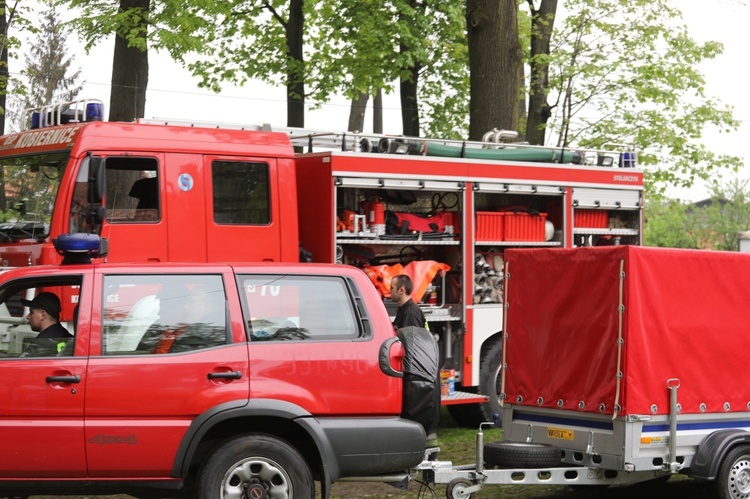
column 80, row 248
column 62, row 113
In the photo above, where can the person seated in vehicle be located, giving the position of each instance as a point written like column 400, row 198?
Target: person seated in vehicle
column 146, row 191
column 44, row 317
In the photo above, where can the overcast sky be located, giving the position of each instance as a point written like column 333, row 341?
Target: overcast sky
column 173, row 93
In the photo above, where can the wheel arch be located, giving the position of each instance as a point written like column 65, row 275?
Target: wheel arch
column 491, row 341
column 713, row 449
column 274, row 417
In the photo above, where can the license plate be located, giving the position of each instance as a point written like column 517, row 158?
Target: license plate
column 560, row 433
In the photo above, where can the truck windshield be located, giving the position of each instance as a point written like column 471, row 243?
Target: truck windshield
column 29, row 188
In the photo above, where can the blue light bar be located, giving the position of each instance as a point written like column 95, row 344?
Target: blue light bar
column 79, row 248
column 61, row 113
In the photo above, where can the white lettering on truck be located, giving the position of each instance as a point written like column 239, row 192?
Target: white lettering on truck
column 40, row 138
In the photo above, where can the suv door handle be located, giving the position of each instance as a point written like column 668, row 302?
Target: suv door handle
column 229, row 375
column 73, row 378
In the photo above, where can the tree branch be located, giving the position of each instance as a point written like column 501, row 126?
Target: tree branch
column 275, row 14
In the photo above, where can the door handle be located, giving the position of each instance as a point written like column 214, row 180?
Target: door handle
column 226, row 375
column 73, row 378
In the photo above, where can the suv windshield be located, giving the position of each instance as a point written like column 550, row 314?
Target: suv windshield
column 30, row 185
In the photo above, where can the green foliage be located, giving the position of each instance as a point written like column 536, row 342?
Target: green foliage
column 712, row 224
column 47, row 75
column 666, row 224
column 726, row 215
column 622, row 71
column 629, row 69
column 444, row 89
column 174, row 26
column 350, row 47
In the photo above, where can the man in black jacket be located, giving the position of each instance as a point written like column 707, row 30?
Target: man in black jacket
column 408, row 313
column 44, row 316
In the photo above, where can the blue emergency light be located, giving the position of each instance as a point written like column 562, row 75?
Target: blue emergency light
column 61, row 113
column 80, row 247
column 628, row 159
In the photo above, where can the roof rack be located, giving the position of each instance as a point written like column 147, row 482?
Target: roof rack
column 495, row 145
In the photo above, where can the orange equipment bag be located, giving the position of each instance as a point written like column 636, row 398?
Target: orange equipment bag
column 421, row 272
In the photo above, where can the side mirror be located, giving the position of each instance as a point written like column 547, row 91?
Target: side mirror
column 97, row 179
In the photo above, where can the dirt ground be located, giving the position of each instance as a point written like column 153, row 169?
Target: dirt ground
column 678, row 486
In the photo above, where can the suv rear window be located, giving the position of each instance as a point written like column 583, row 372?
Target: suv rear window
column 296, row 308
column 161, row 314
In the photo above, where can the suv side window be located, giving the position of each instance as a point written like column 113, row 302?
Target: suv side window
column 291, row 308
column 162, row 314
column 47, row 327
column 240, row 191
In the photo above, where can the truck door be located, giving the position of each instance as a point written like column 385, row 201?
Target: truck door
column 44, row 380
column 243, row 221
column 134, row 219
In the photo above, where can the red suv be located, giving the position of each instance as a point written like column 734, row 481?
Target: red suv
column 215, row 380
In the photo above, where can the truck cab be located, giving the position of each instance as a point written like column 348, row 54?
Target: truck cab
column 151, row 190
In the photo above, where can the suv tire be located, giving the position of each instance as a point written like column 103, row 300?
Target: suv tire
column 255, row 460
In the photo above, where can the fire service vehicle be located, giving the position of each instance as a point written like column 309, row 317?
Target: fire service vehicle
column 442, row 211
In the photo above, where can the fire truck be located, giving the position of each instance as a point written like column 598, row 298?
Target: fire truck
column 442, row 211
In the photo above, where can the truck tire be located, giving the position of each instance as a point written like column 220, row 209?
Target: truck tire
column 256, row 461
column 521, row 455
column 489, row 380
column 733, row 481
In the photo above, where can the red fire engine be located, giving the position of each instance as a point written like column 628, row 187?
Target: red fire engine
column 443, row 211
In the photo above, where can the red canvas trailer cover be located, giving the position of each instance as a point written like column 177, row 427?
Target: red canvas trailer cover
column 573, row 325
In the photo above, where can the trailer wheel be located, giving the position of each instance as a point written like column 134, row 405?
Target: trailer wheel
column 733, row 481
column 456, row 489
column 521, row 455
column 490, row 374
column 256, row 465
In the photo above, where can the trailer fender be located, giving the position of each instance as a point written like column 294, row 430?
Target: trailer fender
column 712, row 450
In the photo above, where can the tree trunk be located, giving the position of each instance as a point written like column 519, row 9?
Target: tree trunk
column 377, row 112
column 409, row 111
column 357, row 112
column 3, row 74
column 129, row 70
column 494, row 57
column 408, row 83
column 295, row 84
column 542, row 22
column 3, row 90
